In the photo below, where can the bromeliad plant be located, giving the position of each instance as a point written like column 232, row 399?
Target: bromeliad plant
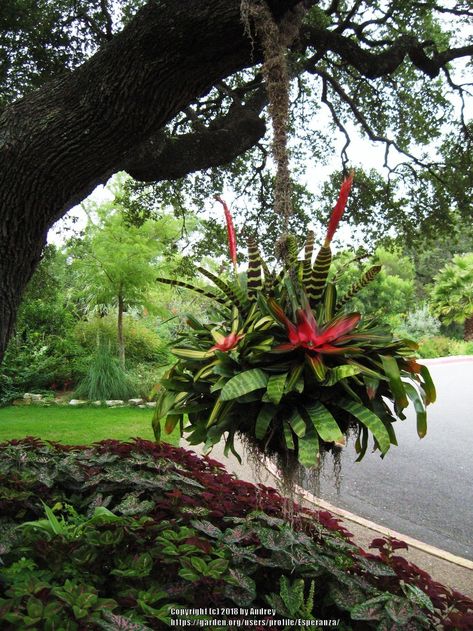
column 283, row 363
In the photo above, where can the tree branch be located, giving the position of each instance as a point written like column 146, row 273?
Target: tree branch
column 171, row 157
column 372, row 135
column 375, row 65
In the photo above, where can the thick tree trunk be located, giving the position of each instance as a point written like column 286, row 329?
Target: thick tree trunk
column 468, row 329
column 61, row 141
column 120, row 336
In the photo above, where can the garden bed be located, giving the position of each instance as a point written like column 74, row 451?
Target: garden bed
column 121, row 535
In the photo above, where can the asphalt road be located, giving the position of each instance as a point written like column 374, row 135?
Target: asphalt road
column 422, row 488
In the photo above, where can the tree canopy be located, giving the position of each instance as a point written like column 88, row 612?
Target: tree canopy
column 167, row 89
column 452, row 293
column 116, row 264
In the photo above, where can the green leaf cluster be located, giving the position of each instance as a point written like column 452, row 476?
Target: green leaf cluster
column 139, row 538
column 285, row 365
column 452, row 291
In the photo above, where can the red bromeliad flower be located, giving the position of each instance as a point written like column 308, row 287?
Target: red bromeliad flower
column 227, row 343
column 307, row 334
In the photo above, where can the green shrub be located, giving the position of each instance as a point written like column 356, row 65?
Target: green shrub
column 37, row 365
column 419, row 324
column 8, row 389
column 105, row 378
column 145, row 378
column 142, row 343
column 441, row 346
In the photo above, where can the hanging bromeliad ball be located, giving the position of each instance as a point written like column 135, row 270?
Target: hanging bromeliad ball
column 284, row 364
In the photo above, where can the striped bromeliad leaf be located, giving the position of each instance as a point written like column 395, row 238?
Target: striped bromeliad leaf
column 339, row 273
column 288, row 437
column 323, row 260
column 307, row 264
column 263, row 323
column 366, row 370
column 370, row 420
column 295, row 381
column 330, row 298
column 367, row 277
column 275, row 388
column 341, row 372
column 214, row 433
column 230, row 446
column 190, row 408
column 268, row 274
column 317, row 366
column 195, row 324
column 171, row 421
column 372, row 385
column 254, row 273
column 205, row 371
column 361, row 443
column 164, row 403
column 263, row 420
column 316, row 285
column 244, row 382
column 219, row 411
column 397, row 386
column 309, row 449
column 297, row 422
column 323, row 422
column 264, row 346
column 204, row 292
column 218, row 385
column 419, row 407
column 288, row 244
column 370, row 339
column 384, row 413
column 229, row 292
column 428, row 385
column 191, row 353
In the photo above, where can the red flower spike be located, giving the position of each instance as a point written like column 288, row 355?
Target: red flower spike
column 338, row 209
column 230, row 231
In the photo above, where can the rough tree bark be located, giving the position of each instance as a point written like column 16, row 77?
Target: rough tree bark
column 61, row 141
column 468, row 329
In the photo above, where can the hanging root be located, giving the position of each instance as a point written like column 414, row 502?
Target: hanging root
column 274, row 41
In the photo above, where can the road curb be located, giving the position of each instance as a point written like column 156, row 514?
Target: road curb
column 451, row 359
column 444, row 555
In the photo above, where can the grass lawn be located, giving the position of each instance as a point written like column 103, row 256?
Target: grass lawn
column 78, row 426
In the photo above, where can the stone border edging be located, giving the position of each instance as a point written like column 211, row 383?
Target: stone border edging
column 387, row 532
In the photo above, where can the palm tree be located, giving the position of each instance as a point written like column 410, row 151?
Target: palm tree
column 452, row 294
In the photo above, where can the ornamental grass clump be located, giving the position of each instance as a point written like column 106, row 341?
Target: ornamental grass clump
column 284, row 364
